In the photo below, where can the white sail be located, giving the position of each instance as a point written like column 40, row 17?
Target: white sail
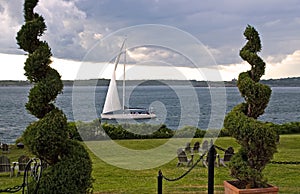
column 112, row 100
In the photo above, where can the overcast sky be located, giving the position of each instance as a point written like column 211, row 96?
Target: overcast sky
column 74, row 27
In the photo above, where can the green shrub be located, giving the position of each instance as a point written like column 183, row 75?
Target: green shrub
column 69, row 168
column 71, row 175
column 73, row 132
column 94, row 130
column 162, row 132
column 289, row 128
column 258, row 140
column 47, row 137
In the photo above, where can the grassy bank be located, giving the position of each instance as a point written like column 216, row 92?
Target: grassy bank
column 111, row 179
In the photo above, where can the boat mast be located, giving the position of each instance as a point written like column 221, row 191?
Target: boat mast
column 123, row 103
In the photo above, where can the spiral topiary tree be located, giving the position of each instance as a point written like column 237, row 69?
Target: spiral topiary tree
column 258, row 139
column 69, row 164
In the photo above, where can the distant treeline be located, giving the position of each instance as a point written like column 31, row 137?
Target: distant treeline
column 14, row 83
column 90, row 131
column 284, row 82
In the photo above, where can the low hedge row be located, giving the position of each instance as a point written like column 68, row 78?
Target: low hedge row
column 95, row 130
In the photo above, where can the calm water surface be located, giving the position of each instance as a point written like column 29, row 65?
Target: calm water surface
column 175, row 106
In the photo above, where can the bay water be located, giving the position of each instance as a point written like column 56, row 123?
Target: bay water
column 175, row 106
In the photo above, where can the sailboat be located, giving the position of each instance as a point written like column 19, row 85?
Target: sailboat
column 112, row 108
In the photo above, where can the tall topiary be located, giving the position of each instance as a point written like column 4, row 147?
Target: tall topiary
column 69, row 164
column 258, row 139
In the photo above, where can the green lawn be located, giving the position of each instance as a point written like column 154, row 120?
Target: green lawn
column 111, row 179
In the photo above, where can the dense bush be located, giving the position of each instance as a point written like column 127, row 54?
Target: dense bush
column 71, row 175
column 69, row 166
column 73, row 132
column 137, row 131
column 289, row 128
column 96, row 131
column 46, row 138
column 162, row 132
column 258, row 139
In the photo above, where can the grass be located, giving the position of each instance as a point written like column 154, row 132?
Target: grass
column 112, row 179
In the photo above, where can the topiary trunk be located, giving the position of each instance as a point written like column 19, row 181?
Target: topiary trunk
column 69, row 163
column 258, row 140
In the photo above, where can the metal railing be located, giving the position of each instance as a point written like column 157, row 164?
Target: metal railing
column 31, row 178
column 211, row 161
column 211, row 165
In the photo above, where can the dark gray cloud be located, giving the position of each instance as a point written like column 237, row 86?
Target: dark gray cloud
column 74, row 26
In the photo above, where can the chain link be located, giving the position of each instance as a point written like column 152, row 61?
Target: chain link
column 189, row 170
column 220, row 148
column 36, row 174
column 12, row 189
column 285, row 162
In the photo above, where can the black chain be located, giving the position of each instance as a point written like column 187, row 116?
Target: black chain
column 220, row 148
column 36, row 174
column 285, row 162
column 189, row 170
column 12, row 189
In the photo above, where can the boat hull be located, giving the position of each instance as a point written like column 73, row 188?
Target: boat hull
column 127, row 116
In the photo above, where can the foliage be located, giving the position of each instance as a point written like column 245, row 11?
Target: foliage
column 73, row 132
column 48, row 138
column 289, row 128
column 258, row 140
column 94, row 130
column 69, row 175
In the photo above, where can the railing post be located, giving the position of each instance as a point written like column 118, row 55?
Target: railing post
column 211, row 166
column 159, row 182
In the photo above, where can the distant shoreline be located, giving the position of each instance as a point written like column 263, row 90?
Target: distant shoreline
column 283, row 82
